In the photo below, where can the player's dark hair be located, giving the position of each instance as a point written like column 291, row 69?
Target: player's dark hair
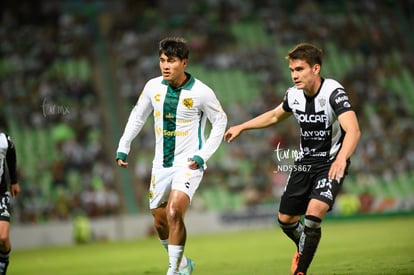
column 308, row 52
column 174, row 47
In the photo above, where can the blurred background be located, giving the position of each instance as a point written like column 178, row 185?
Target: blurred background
column 70, row 72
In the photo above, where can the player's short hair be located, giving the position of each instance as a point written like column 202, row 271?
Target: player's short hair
column 174, row 47
column 308, row 52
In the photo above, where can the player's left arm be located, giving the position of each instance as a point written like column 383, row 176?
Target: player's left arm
column 212, row 108
column 11, row 160
column 349, row 123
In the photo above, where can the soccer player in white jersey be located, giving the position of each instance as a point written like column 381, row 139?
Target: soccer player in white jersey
column 181, row 106
column 7, row 162
column 329, row 134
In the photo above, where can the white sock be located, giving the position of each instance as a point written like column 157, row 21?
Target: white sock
column 183, row 263
column 175, row 253
column 171, row 272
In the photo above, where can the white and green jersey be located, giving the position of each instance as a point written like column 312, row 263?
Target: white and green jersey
column 180, row 117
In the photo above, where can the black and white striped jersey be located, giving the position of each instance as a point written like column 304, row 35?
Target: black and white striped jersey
column 7, row 155
column 321, row 135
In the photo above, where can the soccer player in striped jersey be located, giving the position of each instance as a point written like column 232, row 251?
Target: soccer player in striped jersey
column 7, row 162
column 329, row 133
column 181, row 105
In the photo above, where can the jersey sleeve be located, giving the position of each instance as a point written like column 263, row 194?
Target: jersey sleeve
column 136, row 121
column 11, row 160
column 340, row 102
column 218, row 119
column 285, row 103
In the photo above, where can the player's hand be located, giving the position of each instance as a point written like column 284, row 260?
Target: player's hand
column 122, row 163
column 193, row 165
column 232, row 133
column 337, row 170
column 14, row 189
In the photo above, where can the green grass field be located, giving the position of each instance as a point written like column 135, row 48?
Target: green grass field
column 356, row 246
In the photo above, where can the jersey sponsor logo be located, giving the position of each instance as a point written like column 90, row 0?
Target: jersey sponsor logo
column 175, row 133
column 319, row 154
column 306, row 151
column 340, row 92
column 296, row 102
column 188, row 102
column 315, row 134
column 311, row 118
column 341, row 98
column 169, row 116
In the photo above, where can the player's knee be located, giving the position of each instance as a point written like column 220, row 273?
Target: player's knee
column 287, row 219
column 4, row 243
column 311, row 221
column 174, row 215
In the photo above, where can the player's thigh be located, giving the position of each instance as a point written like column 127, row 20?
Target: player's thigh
column 187, row 181
column 326, row 190
column 4, row 230
column 160, row 186
column 295, row 198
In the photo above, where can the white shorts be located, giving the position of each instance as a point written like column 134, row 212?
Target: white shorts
column 163, row 180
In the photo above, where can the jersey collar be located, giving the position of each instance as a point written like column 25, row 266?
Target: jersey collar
column 319, row 89
column 187, row 86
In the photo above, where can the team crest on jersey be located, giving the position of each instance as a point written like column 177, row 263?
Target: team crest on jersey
column 188, row 102
column 322, row 102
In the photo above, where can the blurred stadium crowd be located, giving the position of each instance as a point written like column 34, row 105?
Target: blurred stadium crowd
column 57, row 56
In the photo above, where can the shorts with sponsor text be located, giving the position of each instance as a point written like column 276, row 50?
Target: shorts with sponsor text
column 304, row 186
column 163, row 180
column 5, row 207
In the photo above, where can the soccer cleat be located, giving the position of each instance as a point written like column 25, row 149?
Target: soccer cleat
column 295, row 261
column 188, row 269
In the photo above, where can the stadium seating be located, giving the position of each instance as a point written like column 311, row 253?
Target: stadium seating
column 242, row 70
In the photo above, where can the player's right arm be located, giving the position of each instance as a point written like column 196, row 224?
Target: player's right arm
column 264, row 120
column 136, row 121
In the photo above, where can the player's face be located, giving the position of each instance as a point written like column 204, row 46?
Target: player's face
column 173, row 69
column 304, row 76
